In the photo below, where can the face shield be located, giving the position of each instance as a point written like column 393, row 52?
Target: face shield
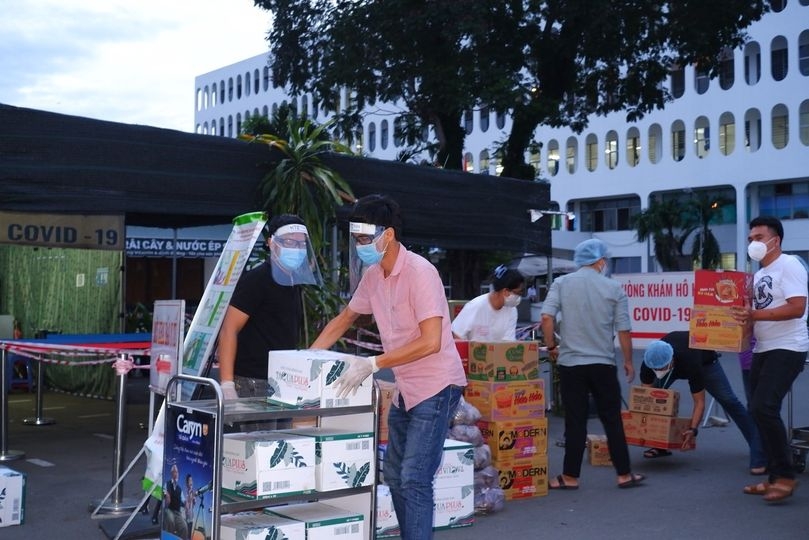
column 292, row 258
column 362, row 250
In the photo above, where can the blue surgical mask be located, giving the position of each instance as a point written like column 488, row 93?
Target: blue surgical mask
column 368, row 254
column 291, row 258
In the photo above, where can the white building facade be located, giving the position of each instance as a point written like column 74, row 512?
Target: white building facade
column 743, row 136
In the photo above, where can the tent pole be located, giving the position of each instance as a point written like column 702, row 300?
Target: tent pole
column 5, row 453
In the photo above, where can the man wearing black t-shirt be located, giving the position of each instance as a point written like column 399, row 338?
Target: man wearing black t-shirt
column 670, row 359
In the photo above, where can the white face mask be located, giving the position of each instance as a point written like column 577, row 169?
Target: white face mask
column 757, row 250
column 512, row 300
column 660, row 373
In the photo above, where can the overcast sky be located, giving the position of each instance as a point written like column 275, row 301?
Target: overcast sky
column 131, row 61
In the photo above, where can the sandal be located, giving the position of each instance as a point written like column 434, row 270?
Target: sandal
column 758, row 471
column 757, row 489
column 653, row 453
column 560, row 484
column 780, row 490
column 634, row 481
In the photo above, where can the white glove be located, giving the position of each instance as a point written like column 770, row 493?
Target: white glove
column 229, row 390
column 358, row 370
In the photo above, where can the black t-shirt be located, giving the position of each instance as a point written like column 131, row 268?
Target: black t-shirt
column 274, row 323
column 688, row 364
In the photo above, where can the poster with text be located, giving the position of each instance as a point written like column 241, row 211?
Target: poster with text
column 168, row 327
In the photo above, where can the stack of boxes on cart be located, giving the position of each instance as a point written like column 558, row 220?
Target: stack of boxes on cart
column 300, row 461
column 452, row 485
column 505, row 386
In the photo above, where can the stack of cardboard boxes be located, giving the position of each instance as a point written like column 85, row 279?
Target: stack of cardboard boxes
column 504, row 385
column 652, row 421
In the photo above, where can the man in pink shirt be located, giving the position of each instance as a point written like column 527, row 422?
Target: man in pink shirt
column 404, row 293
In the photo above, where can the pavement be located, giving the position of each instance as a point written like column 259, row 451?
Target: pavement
column 69, row 468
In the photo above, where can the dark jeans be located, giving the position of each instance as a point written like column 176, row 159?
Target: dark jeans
column 771, row 377
column 576, row 384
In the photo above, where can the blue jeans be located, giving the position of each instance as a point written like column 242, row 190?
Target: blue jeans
column 716, row 384
column 771, row 377
column 415, row 444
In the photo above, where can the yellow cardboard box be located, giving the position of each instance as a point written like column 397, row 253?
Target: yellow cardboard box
column 523, row 478
column 507, row 400
column 516, row 439
column 598, row 452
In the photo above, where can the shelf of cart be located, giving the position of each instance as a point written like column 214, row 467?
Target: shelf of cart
column 232, row 503
column 256, row 409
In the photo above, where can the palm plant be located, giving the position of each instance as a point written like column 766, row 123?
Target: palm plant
column 300, row 183
column 705, row 248
column 665, row 222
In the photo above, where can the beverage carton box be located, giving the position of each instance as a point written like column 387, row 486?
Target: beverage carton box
column 523, row 478
column 457, row 466
column 343, row 458
column 267, row 464
column 515, row 439
column 387, row 526
column 323, row 521
column 305, row 379
column 711, row 325
column 507, row 400
column 12, row 497
column 259, row 526
column 453, row 507
column 645, row 399
column 654, row 430
column 598, row 453
column 503, row 360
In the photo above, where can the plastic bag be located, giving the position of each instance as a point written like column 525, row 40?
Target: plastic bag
column 489, row 500
column 487, row 477
column 470, row 434
column 465, row 414
column 483, row 456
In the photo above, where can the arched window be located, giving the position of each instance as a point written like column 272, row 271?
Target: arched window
column 677, row 81
column 611, row 149
column 752, row 130
column 247, row 84
column 398, row 132
column 468, row 122
column 752, row 63
column 677, row 140
column 239, row 87
column 535, row 157
column 383, row 134
column 702, row 137
column 371, row 136
column 633, row 146
column 591, row 152
column 304, row 106
column 500, row 120
column 780, row 126
column 468, row 162
column 230, row 89
column 727, row 133
column 572, row 155
column 221, row 127
column 701, row 80
column 266, row 78
column 655, row 143
column 803, row 53
column 256, row 82
column 199, row 99
column 230, row 125
column 779, row 60
column 553, row 157
column 214, row 95
column 484, row 118
column 484, row 162
column 803, row 122
column 727, row 69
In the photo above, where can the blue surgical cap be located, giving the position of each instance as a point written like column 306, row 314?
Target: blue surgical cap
column 589, row 251
column 658, row 355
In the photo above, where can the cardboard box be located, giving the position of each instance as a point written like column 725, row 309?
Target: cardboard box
column 343, row 458
column 259, row 526
column 323, row 521
column 463, row 351
column 305, row 379
column 523, row 478
column 457, row 466
column 455, row 307
column 503, row 360
column 598, row 452
column 507, row 400
column 386, row 391
column 516, row 439
column 12, row 497
column 267, row 464
column 648, row 400
column 453, row 507
column 654, row 430
column 387, row 526
column 711, row 325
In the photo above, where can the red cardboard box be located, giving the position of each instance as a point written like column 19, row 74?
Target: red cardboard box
column 712, row 326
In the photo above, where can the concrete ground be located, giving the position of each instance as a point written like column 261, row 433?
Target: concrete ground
column 695, row 494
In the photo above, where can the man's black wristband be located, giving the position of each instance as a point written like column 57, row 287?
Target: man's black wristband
column 695, row 431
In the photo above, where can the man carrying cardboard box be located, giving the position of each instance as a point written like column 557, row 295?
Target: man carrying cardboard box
column 778, row 316
column 670, row 359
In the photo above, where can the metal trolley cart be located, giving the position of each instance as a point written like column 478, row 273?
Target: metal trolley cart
column 799, row 437
column 187, row 423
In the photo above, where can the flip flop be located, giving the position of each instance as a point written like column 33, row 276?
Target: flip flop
column 757, row 489
column 758, row 471
column 780, row 490
column 654, row 453
column 560, row 484
column 632, row 482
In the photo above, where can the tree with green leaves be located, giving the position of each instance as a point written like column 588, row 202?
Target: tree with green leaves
column 554, row 63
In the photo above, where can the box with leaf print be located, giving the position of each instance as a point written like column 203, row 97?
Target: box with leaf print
column 457, row 466
column 267, row 464
column 305, row 379
column 343, row 458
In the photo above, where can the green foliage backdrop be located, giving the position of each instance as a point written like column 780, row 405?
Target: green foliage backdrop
column 72, row 291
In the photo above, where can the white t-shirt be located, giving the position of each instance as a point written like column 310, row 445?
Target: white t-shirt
column 783, row 278
column 479, row 321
